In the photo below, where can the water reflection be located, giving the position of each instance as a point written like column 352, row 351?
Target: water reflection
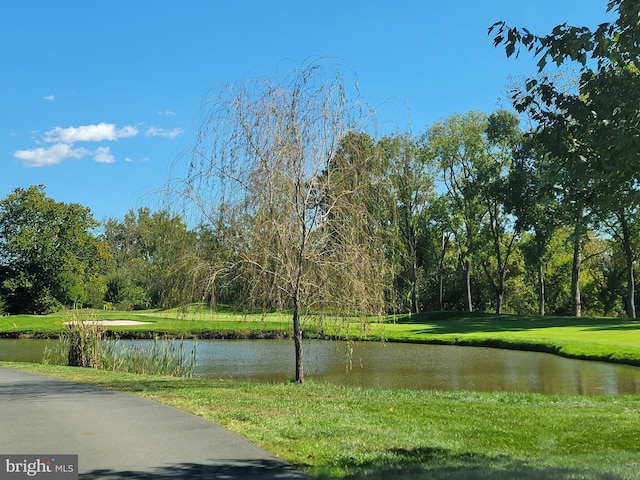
column 394, row 365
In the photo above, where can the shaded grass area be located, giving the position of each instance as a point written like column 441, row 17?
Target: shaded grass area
column 334, row 431
column 478, row 322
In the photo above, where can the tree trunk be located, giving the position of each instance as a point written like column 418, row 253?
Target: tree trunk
column 443, row 250
column 541, row 289
column 628, row 256
column 467, row 285
column 575, row 274
column 415, row 308
column 500, row 295
column 441, row 290
column 631, row 292
column 297, row 339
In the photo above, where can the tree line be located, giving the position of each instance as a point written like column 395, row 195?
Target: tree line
column 470, row 215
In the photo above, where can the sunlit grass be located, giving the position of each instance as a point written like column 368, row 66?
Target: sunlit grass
column 174, row 322
column 334, row 431
column 609, row 339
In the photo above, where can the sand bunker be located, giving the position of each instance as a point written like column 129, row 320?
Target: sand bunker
column 112, row 322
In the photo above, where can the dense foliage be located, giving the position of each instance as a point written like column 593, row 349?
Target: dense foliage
column 591, row 130
column 49, row 257
column 464, row 212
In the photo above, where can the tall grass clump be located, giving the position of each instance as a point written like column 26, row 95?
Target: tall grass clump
column 78, row 346
column 155, row 357
column 83, row 344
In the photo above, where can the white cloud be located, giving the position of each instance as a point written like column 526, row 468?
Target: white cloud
column 167, row 112
column 44, row 157
column 103, row 155
column 64, row 139
column 89, row 133
column 163, row 132
column 51, row 98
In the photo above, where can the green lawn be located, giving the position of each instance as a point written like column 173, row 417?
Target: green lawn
column 608, row 339
column 195, row 322
column 334, row 431
column 342, row 432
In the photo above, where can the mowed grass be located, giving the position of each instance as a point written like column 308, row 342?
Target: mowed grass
column 173, row 322
column 607, row 339
column 335, row 431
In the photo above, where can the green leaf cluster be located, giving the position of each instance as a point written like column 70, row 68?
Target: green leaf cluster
column 49, row 256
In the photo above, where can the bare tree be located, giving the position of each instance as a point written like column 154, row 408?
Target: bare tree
column 261, row 175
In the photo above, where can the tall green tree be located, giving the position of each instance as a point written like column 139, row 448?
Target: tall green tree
column 594, row 129
column 412, row 188
column 49, row 257
column 457, row 144
column 534, row 203
column 503, row 138
column 474, row 153
column 436, row 252
column 149, row 249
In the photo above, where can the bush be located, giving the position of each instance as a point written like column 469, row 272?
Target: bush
column 124, row 306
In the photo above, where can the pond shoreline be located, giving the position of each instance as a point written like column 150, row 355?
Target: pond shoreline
column 502, row 344
column 414, row 366
column 151, row 334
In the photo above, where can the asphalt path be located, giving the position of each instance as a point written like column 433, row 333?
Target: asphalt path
column 117, row 435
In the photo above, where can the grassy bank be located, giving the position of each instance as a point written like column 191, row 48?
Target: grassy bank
column 607, row 339
column 340, row 432
column 173, row 323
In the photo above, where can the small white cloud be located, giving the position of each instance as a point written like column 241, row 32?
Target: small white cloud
column 167, row 112
column 163, row 132
column 89, row 133
column 103, row 155
column 50, row 98
column 44, row 157
column 128, row 159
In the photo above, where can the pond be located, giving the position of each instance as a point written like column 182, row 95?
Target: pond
column 394, row 365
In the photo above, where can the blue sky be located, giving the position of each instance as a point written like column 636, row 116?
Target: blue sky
column 99, row 99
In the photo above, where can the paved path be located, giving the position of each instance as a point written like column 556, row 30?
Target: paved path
column 117, row 435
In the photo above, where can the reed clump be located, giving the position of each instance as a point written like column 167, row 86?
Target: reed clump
column 153, row 357
column 84, row 344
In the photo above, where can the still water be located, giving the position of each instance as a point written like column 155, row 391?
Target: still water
column 394, row 365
